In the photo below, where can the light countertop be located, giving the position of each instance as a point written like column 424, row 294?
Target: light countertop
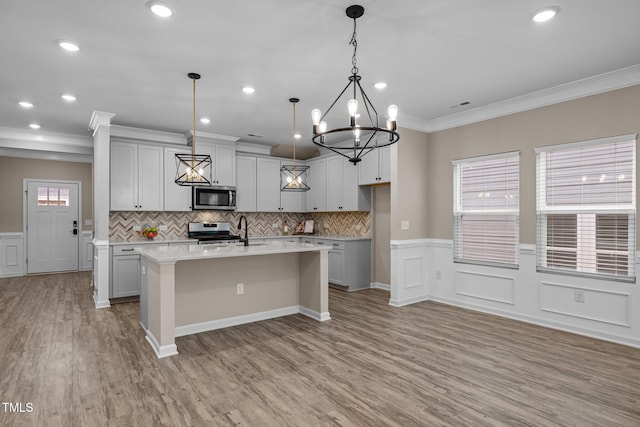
column 158, row 240
column 173, row 254
column 314, row 236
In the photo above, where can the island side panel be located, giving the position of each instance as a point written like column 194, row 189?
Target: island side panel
column 314, row 284
column 206, row 290
column 161, row 308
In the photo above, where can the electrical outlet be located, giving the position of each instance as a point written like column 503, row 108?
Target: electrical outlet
column 240, row 288
column 404, row 225
column 163, row 228
column 137, row 228
column 438, row 274
column 579, row 296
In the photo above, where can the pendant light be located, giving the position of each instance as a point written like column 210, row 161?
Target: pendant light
column 355, row 139
column 193, row 169
column 294, row 177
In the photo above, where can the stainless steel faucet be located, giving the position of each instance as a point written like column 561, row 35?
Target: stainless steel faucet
column 246, row 230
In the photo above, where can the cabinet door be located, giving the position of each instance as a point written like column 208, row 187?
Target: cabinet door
column 334, row 183
column 385, row 164
column 124, row 176
column 176, row 197
column 336, row 266
column 317, row 195
column 224, row 171
column 267, row 185
column 368, row 168
column 246, row 184
column 150, row 178
column 290, row 201
column 350, row 188
column 126, row 276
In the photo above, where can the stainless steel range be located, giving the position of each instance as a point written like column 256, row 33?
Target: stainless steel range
column 212, row 233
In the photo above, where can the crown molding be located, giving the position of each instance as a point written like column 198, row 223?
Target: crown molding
column 251, row 148
column 210, row 137
column 46, row 155
column 100, row 118
column 594, row 85
column 139, row 134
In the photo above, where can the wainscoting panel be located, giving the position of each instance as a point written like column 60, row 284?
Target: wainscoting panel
column 492, row 287
column 592, row 304
column 413, row 272
column 86, row 251
column 11, row 255
column 409, row 269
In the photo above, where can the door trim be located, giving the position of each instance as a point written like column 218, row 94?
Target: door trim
column 25, row 184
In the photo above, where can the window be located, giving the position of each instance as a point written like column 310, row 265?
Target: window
column 586, row 208
column 486, row 208
column 53, row 196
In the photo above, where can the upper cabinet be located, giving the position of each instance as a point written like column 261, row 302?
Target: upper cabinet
column 137, row 176
column 343, row 191
column 375, row 167
column 246, row 184
column 223, row 161
column 176, row 197
column 269, row 198
column 317, row 195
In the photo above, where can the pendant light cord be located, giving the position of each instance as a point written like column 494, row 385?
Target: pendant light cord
column 294, row 136
column 193, row 143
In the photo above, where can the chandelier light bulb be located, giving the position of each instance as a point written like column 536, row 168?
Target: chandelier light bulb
column 289, row 179
column 323, row 126
column 315, row 116
column 352, row 106
column 392, row 112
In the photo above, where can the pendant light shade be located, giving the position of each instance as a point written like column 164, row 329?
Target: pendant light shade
column 193, row 169
column 294, row 177
column 359, row 132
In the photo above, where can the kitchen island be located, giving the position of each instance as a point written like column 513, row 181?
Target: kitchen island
column 197, row 288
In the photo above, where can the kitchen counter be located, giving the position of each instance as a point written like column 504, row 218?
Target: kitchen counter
column 158, row 240
column 188, row 289
column 315, row 236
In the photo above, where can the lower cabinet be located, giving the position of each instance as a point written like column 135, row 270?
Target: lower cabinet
column 349, row 262
column 125, row 272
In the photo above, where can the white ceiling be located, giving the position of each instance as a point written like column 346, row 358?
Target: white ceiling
column 433, row 54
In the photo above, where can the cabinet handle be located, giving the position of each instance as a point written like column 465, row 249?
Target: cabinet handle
column 127, row 250
column 336, row 244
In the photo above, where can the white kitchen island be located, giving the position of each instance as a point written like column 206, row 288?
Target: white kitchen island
column 197, row 288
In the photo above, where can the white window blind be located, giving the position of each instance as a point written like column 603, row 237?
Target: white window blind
column 486, row 209
column 586, row 208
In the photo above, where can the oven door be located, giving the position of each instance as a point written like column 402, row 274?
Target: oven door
column 214, row 198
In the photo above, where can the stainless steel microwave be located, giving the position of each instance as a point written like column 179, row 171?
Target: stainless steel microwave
column 213, row 198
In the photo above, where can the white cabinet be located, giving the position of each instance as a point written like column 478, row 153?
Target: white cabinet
column 375, row 167
column 349, row 262
column 269, row 198
column 125, row 272
column 343, row 191
column 223, row 161
column 176, row 197
column 246, row 184
column 317, row 195
column 137, row 176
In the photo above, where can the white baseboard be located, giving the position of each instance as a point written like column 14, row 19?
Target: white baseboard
column 212, row 325
column 320, row 317
column 161, row 351
column 383, row 286
column 101, row 304
column 540, row 322
column 408, row 301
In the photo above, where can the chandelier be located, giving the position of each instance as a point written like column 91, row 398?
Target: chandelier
column 193, row 169
column 294, row 177
column 363, row 132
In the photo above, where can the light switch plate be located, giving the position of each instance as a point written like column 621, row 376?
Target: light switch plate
column 88, row 222
column 136, row 228
column 163, row 228
column 404, row 225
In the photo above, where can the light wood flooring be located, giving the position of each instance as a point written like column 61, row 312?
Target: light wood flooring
column 427, row 364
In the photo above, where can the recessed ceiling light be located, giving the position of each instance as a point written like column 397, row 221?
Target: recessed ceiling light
column 25, row 104
column 68, row 97
column 68, row 46
column 297, row 136
column 248, row 89
column 159, row 9
column 546, row 14
column 34, row 126
column 380, row 85
column 205, row 120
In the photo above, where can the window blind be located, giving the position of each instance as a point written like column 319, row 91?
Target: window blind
column 586, row 208
column 486, row 208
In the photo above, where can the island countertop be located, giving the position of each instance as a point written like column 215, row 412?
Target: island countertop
column 173, row 254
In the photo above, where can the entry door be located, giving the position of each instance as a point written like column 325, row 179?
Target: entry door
column 52, row 226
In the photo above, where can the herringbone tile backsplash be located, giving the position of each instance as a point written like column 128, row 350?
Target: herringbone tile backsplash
column 260, row 223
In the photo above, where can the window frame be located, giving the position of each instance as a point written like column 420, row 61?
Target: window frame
column 543, row 211
column 459, row 212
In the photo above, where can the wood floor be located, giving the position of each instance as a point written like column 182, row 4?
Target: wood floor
column 372, row 365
